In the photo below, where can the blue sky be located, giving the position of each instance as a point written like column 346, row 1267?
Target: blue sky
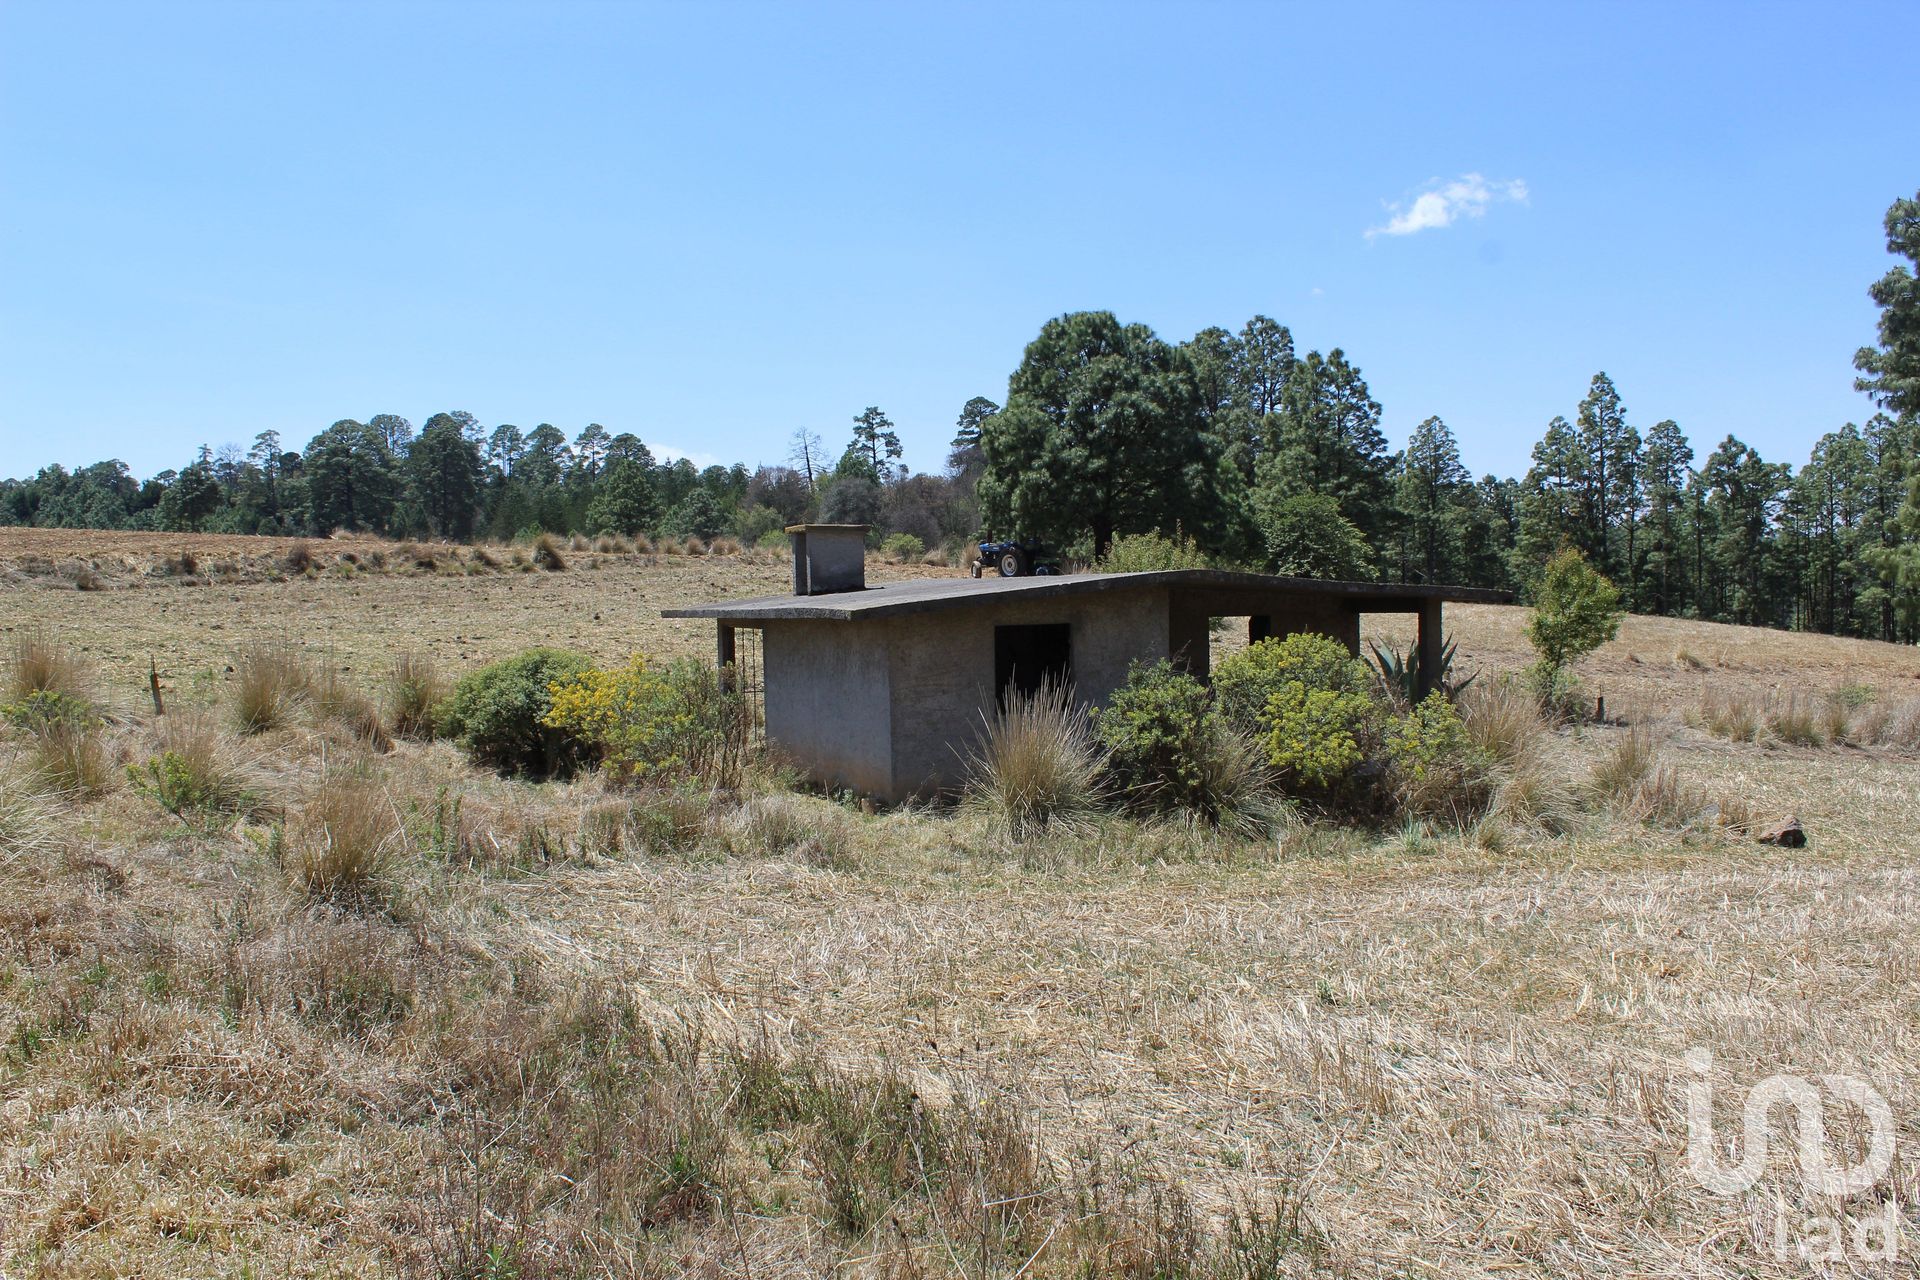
column 713, row 224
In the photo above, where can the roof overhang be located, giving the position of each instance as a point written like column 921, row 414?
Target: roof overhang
column 929, row 595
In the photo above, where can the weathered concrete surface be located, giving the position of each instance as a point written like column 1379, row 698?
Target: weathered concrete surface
column 828, row 558
column 827, row 701
column 941, row 672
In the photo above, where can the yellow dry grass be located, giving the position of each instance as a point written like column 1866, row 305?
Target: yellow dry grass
column 1454, row 1056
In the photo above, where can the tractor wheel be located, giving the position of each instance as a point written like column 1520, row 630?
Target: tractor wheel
column 974, row 569
column 1014, row 563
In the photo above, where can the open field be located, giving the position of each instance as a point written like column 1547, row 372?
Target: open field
column 544, row 1049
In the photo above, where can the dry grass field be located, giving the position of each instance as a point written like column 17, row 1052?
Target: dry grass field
column 578, row 1031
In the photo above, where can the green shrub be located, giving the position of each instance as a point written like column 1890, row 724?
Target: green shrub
column 902, row 548
column 497, row 713
column 760, row 524
column 1150, row 728
column 1437, row 770
column 1168, row 749
column 190, row 773
column 1575, row 611
column 43, row 709
column 1245, row 682
column 1149, row 552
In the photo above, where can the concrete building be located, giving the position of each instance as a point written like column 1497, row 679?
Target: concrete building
column 883, row 690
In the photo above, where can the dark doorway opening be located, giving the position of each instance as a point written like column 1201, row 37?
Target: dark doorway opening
column 1027, row 657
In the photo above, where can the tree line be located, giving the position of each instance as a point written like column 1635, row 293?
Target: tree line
column 1262, row 456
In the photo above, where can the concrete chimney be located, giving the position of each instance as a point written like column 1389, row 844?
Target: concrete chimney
column 828, row 558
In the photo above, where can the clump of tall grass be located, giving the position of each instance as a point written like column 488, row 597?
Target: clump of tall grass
column 335, row 699
column 300, row 558
column 1732, row 716
column 415, row 687
column 1902, row 727
column 72, row 757
column 191, row 771
column 1530, row 789
column 342, row 839
column 547, row 554
column 41, row 664
column 28, row 819
column 1533, row 793
column 269, row 681
column 813, row 831
column 1797, row 720
column 1037, row 764
column 1503, row 719
column 1623, row 767
column 1661, row 798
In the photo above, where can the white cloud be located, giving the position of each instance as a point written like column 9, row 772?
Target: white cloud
column 1442, row 203
column 669, row 453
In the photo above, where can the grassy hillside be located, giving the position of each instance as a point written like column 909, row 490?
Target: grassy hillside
column 571, row 1030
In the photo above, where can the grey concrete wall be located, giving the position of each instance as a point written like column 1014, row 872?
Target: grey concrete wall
column 829, row 558
column 941, row 672
column 827, row 701
column 1328, row 617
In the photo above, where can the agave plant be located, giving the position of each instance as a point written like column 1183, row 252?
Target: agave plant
column 1400, row 672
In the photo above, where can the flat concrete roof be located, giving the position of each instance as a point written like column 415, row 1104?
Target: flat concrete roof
column 929, row 594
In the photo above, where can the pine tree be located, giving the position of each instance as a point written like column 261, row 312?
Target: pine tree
column 1553, row 502
column 1743, row 495
column 1666, row 464
column 1325, row 438
column 877, row 441
column 1610, row 483
column 1429, row 485
column 1891, row 371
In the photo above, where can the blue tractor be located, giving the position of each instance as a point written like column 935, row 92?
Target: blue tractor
column 1016, row 559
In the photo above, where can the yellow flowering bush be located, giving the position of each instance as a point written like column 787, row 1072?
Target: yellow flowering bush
column 1245, row 682
column 1316, row 737
column 654, row 723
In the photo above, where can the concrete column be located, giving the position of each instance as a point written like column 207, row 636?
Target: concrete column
column 1190, row 641
column 1259, row 627
column 1431, row 638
